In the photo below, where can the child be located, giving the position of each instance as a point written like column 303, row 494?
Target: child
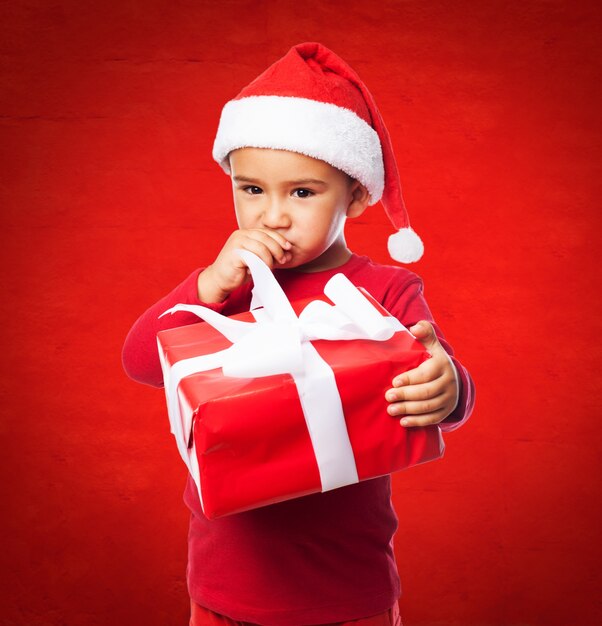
column 306, row 149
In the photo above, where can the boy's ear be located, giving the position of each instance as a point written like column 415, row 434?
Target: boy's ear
column 359, row 199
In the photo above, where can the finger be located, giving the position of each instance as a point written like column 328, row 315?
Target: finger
column 424, row 331
column 280, row 239
column 273, row 244
column 424, row 391
column 418, row 407
column 258, row 248
column 428, row 370
column 423, row 420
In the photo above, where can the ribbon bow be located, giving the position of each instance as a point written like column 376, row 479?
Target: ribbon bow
column 280, row 342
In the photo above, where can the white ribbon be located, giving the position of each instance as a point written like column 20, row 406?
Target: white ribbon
column 279, row 342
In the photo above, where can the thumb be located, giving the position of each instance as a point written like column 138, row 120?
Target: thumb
column 425, row 333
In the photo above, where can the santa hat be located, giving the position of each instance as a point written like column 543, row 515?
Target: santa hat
column 310, row 101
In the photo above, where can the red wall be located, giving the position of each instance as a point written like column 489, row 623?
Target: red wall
column 110, row 198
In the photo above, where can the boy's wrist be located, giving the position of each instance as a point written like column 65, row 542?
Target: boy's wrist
column 207, row 290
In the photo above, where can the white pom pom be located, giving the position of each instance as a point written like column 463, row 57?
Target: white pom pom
column 405, row 246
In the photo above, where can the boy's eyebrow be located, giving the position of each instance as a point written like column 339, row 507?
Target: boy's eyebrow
column 301, row 181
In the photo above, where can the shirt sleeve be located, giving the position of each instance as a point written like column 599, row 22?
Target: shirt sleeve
column 405, row 300
column 139, row 355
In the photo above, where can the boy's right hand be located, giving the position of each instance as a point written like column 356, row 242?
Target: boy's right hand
column 229, row 271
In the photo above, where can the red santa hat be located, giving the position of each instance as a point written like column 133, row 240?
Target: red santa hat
column 310, row 101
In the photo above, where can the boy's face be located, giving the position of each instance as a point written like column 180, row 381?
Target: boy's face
column 304, row 199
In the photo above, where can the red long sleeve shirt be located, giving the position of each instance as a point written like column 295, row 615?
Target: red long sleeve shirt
column 326, row 557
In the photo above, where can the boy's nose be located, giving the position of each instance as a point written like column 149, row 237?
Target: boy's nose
column 275, row 215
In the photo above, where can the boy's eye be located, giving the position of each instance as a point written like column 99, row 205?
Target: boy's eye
column 305, row 193
column 252, row 187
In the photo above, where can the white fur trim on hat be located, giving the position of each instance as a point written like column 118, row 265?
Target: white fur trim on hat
column 405, row 246
column 321, row 130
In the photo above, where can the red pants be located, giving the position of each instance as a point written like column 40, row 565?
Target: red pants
column 200, row 616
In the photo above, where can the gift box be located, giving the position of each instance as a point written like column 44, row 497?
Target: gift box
column 287, row 399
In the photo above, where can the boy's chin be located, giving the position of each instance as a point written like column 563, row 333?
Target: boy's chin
column 289, row 265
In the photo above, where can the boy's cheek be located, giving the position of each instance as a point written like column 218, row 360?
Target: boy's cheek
column 241, row 217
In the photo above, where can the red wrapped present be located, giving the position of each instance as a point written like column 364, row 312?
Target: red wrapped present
column 287, row 399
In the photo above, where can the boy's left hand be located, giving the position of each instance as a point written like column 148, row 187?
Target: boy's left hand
column 428, row 393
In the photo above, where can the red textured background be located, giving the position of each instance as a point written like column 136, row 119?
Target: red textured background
column 110, row 198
